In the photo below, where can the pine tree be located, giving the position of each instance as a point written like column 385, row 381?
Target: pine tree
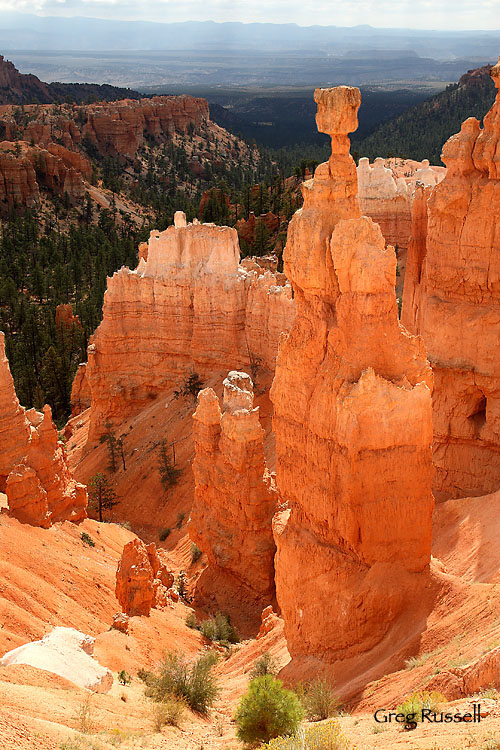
column 101, row 494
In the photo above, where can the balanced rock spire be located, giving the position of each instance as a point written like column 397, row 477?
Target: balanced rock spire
column 352, row 418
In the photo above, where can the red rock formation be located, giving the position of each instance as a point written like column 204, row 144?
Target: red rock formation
column 65, row 317
column 53, row 173
column 141, row 580
column 234, row 502
column 352, row 418
column 134, row 579
column 246, row 227
column 71, row 159
column 24, row 168
column 189, row 307
column 33, row 472
column 18, row 185
column 456, row 308
column 80, row 391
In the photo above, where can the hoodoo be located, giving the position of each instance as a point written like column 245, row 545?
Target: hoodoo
column 353, row 423
column 33, row 471
column 453, row 301
column 234, row 501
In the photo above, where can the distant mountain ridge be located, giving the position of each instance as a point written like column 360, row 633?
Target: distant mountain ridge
column 20, row 88
column 31, row 32
column 421, row 131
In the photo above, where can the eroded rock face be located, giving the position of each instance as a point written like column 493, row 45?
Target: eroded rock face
column 68, row 653
column 24, row 169
column 456, row 308
column 33, row 471
column 386, row 200
column 188, row 307
column 234, row 500
column 353, row 422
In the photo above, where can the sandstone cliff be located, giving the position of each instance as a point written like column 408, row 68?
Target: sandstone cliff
column 454, row 303
column 234, row 503
column 353, row 422
column 190, row 307
column 33, row 472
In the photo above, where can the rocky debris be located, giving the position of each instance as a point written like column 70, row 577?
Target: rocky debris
column 353, row 423
column 121, row 622
column 460, row 682
column 142, row 581
column 33, row 471
column 189, row 307
column 234, row 500
column 68, row 653
column 455, row 305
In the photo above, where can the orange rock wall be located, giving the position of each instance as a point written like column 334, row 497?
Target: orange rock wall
column 188, row 307
column 456, row 308
column 353, row 422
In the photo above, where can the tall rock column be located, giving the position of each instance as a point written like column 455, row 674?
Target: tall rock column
column 352, row 417
column 234, row 502
column 456, row 308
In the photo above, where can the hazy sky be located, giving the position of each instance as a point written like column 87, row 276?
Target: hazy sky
column 421, row 14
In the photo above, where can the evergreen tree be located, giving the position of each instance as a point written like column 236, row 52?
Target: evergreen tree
column 101, row 494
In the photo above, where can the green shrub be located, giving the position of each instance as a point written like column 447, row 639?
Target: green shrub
column 319, row 699
column 191, row 621
column 180, row 519
column 124, row 678
column 170, row 711
column 196, row 682
column 266, row 664
column 164, row 533
column 320, row 737
column 267, row 711
column 147, row 677
column 219, row 628
column 169, row 473
column 195, row 553
column 413, row 704
column 87, row 539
